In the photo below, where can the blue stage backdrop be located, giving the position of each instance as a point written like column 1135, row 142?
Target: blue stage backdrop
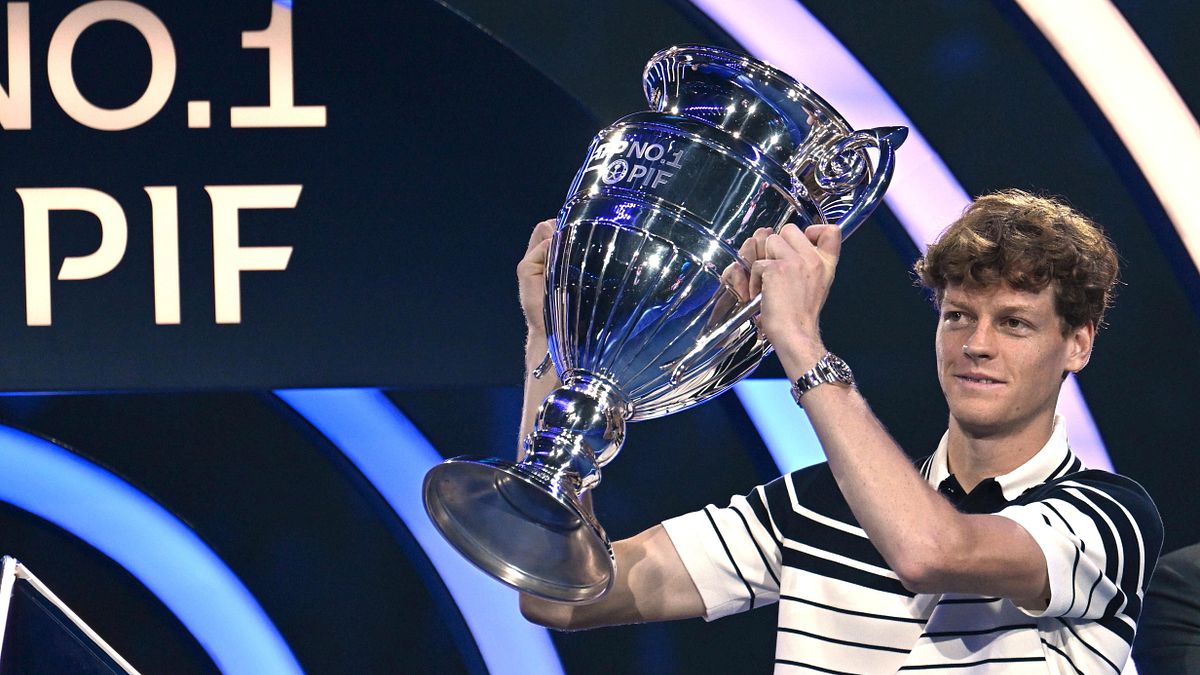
column 257, row 272
column 239, row 194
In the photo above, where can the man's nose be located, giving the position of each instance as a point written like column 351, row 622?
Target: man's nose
column 979, row 344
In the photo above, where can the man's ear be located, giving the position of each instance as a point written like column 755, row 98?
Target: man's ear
column 1079, row 346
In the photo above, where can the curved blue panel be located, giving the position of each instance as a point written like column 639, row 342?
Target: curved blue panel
column 781, row 423
column 151, row 543
column 394, row 456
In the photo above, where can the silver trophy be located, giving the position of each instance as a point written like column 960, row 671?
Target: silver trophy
column 641, row 318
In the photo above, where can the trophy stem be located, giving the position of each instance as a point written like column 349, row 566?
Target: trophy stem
column 579, row 428
column 526, row 523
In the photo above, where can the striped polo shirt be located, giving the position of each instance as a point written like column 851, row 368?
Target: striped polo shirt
column 841, row 608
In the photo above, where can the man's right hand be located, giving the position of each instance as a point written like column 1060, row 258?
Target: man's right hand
column 531, row 277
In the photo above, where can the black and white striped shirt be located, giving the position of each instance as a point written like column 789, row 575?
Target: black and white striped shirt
column 842, row 610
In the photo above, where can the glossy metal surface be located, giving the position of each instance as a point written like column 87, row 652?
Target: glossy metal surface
column 640, row 319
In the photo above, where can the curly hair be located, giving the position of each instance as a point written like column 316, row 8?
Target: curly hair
column 1028, row 242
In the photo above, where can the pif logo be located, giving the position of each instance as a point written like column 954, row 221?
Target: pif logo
column 638, row 163
column 230, row 257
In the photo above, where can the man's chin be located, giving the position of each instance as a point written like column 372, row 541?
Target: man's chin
column 980, row 425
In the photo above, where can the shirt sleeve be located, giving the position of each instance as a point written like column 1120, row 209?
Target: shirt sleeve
column 731, row 553
column 1101, row 535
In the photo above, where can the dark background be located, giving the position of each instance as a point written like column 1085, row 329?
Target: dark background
column 451, row 131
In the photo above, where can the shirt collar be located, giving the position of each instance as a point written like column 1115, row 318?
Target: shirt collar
column 1053, row 460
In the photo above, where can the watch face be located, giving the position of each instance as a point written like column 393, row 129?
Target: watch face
column 829, row 369
column 840, row 369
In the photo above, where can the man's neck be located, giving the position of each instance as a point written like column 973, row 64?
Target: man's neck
column 974, row 457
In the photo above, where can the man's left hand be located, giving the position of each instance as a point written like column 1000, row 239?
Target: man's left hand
column 794, row 272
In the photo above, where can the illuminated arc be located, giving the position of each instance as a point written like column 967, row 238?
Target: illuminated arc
column 394, row 456
column 152, row 544
column 1136, row 97
column 924, row 196
column 782, row 425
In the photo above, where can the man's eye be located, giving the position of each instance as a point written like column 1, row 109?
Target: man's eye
column 952, row 316
column 1014, row 323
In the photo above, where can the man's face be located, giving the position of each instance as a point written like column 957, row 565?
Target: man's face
column 1001, row 354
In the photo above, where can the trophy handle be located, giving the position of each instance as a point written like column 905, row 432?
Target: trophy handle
column 702, row 353
column 841, row 170
column 542, row 367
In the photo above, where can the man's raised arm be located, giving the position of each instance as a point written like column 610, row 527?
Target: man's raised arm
column 930, row 545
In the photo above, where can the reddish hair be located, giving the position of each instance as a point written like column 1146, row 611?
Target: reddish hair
column 1028, row 242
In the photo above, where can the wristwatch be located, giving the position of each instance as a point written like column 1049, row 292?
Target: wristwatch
column 829, row 369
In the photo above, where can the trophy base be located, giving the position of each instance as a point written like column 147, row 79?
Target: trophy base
column 521, row 528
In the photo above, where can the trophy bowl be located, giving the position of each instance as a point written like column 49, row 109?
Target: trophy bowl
column 640, row 317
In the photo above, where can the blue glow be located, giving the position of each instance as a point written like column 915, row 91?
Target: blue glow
column 152, row 544
column 781, row 423
column 394, row 456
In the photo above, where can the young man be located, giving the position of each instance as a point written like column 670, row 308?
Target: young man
column 998, row 553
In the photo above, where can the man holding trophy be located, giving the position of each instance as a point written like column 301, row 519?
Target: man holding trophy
column 703, row 233
column 1000, row 551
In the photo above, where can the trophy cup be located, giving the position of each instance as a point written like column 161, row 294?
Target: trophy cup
column 640, row 322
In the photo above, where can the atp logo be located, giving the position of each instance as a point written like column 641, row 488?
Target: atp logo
column 615, row 172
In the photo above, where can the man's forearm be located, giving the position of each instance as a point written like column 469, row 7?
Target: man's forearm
column 902, row 515
column 536, row 389
column 914, row 528
column 652, row 584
